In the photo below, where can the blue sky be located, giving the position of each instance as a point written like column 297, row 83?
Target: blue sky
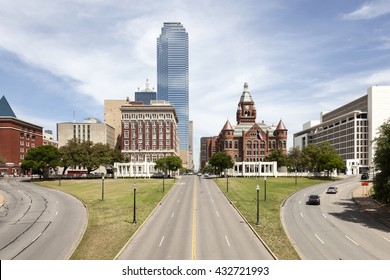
column 299, row 57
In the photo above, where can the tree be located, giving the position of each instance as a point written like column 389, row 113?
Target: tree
column 221, row 161
column 41, row 159
column 94, row 155
column 328, row 159
column 278, row 156
column 70, row 155
column 295, row 159
column 382, row 163
column 321, row 157
column 169, row 163
column 2, row 160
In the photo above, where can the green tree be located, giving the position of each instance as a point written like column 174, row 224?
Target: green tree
column 70, row 155
column 221, row 161
column 94, row 155
column 295, row 159
column 382, row 163
column 328, row 159
column 41, row 159
column 2, row 160
column 309, row 157
column 169, row 163
column 278, row 156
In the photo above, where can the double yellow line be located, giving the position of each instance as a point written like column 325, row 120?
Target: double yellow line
column 194, row 223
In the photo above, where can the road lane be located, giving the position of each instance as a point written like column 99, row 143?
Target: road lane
column 39, row 223
column 195, row 221
column 336, row 229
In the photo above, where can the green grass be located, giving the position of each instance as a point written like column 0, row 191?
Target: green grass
column 242, row 192
column 110, row 223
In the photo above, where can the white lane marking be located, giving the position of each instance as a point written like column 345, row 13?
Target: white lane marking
column 57, row 213
column 350, row 239
column 227, row 241
column 301, row 214
column 300, row 202
column 162, row 240
column 173, row 214
column 212, row 200
column 217, row 213
column 386, row 239
column 319, row 238
column 324, row 216
column 37, row 237
column 178, row 201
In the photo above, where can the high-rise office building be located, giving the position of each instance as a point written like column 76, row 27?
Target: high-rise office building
column 172, row 77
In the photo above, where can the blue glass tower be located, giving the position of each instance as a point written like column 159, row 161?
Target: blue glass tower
column 172, row 74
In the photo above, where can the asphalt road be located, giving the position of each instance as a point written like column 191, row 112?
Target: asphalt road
column 336, row 229
column 195, row 221
column 38, row 223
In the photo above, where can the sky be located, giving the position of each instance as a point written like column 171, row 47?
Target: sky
column 60, row 59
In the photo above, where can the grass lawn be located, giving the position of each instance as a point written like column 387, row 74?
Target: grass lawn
column 242, row 192
column 110, row 223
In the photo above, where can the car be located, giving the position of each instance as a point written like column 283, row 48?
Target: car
column 331, row 190
column 365, row 176
column 313, row 199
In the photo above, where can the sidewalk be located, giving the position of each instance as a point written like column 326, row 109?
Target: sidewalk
column 380, row 212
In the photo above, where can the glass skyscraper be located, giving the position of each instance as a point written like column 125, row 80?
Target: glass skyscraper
column 172, row 74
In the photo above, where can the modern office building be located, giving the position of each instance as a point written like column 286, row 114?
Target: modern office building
column 48, row 139
column 351, row 128
column 16, row 138
column 173, row 77
column 146, row 95
column 90, row 129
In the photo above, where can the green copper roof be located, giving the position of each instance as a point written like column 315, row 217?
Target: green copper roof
column 5, row 109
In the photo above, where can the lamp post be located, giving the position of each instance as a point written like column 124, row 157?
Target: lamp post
column 227, row 181
column 265, row 188
column 296, row 177
column 59, row 181
column 103, row 187
column 258, row 206
column 135, row 192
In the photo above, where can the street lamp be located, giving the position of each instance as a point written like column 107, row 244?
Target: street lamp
column 265, row 188
column 258, row 206
column 135, row 192
column 103, row 187
column 227, row 181
column 296, row 177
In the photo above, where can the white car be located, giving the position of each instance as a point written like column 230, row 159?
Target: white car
column 332, row 190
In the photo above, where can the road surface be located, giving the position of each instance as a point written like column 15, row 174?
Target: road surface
column 38, row 223
column 336, row 229
column 195, row 221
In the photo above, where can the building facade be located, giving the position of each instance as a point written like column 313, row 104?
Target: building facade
column 149, row 132
column 16, row 138
column 90, row 129
column 173, row 77
column 248, row 140
column 351, row 128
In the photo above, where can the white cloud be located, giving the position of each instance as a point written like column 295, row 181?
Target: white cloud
column 369, row 10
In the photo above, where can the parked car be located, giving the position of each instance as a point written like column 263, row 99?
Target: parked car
column 331, row 190
column 365, row 176
column 313, row 199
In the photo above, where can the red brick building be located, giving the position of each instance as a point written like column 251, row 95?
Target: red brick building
column 16, row 138
column 248, row 140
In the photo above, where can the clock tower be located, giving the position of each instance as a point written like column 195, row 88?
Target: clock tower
column 246, row 110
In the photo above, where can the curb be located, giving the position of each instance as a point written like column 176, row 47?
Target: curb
column 147, row 218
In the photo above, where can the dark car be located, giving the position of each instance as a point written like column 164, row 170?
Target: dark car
column 313, row 199
column 365, row 176
column 331, row 190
